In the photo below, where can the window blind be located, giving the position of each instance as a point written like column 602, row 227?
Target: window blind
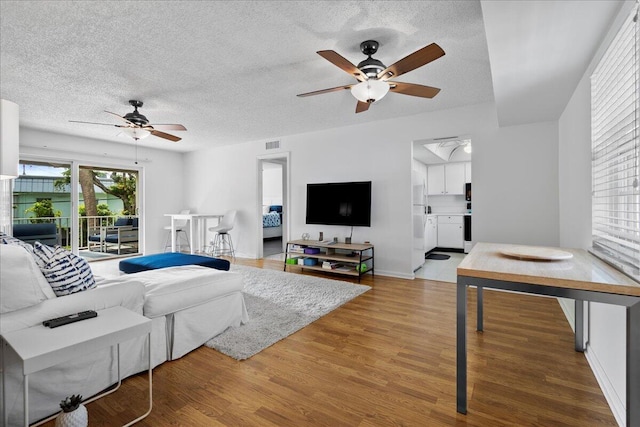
column 615, row 152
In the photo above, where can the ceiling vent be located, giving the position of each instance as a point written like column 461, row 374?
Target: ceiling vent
column 272, row 145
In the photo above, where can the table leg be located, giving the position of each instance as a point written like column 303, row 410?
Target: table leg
column 579, row 325
column 461, row 347
column 480, row 304
column 149, row 373
column 191, row 236
column 633, row 365
column 173, row 234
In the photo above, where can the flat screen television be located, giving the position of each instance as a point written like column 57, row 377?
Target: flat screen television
column 339, row 203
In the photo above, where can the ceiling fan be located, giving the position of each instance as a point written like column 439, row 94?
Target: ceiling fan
column 137, row 126
column 374, row 77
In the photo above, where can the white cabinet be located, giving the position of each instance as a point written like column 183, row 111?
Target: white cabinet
column 450, row 231
column 446, row 180
column 467, row 172
column 454, row 179
column 435, row 180
column 431, row 235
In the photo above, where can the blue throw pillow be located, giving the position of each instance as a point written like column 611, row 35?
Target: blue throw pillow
column 9, row 240
column 66, row 273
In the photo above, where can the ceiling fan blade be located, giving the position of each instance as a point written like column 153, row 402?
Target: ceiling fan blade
column 413, row 89
column 362, row 106
column 319, row 92
column 120, row 117
column 411, row 62
column 92, row 123
column 164, row 135
column 342, row 63
column 167, row 127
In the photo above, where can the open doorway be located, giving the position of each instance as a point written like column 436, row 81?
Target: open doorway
column 273, row 202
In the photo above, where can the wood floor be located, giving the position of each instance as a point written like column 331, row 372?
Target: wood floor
column 386, row 358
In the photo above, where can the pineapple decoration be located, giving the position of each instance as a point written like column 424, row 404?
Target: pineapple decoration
column 74, row 413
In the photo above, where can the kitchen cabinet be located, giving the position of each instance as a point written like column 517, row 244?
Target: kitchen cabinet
column 431, row 235
column 450, row 231
column 446, row 179
column 467, row 172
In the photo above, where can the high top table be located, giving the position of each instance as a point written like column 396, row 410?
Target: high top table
column 192, row 218
column 582, row 278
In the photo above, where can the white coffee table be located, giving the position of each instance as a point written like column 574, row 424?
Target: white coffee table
column 40, row 347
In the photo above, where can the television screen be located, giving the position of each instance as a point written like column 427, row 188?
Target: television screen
column 339, row 203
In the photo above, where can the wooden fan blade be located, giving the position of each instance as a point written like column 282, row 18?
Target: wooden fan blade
column 164, row 135
column 362, row 106
column 167, row 127
column 342, row 63
column 119, row 116
column 411, row 62
column 413, row 89
column 318, row 92
column 92, row 123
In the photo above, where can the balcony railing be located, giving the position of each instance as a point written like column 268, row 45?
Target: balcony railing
column 89, row 225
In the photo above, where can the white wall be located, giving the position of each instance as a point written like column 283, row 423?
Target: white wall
column 162, row 172
column 272, row 185
column 515, row 185
column 514, row 171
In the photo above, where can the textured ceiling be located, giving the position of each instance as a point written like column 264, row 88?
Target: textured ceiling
column 228, row 71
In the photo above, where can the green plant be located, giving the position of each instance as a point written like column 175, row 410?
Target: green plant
column 43, row 209
column 71, row 403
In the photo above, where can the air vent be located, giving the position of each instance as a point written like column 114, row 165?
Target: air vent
column 272, row 145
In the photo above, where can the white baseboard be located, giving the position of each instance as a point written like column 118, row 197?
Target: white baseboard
column 394, row 274
column 616, row 404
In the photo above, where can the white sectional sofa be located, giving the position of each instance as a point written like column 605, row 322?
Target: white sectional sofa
column 188, row 306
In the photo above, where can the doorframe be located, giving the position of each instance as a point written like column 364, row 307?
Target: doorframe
column 286, row 194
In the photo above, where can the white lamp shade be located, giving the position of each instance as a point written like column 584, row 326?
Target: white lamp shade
column 136, row 133
column 370, row 90
column 9, row 139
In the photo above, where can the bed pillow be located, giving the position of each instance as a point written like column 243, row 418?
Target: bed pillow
column 66, row 273
column 21, row 282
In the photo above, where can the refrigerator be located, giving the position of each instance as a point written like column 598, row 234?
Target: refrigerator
column 419, row 216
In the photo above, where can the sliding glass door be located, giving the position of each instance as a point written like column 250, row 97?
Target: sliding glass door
column 106, row 222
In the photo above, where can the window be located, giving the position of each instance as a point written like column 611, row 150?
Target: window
column 615, row 152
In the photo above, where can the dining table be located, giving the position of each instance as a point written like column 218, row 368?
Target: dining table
column 196, row 229
column 558, row 272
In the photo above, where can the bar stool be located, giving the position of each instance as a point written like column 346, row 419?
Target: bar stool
column 180, row 225
column 222, row 244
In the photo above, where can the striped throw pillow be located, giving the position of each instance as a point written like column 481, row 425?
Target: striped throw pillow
column 9, row 240
column 66, row 273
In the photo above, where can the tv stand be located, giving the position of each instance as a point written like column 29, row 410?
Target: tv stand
column 344, row 258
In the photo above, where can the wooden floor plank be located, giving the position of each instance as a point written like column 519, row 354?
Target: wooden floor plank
column 386, row 358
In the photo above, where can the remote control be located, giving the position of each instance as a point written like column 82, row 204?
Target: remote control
column 59, row 321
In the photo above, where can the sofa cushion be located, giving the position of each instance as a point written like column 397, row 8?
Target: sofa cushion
column 171, row 259
column 21, row 282
column 66, row 273
column 177, row 288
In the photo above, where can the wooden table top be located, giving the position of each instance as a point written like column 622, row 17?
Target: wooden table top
column 583, row 271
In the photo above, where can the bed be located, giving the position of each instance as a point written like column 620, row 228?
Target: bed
column 272, row 222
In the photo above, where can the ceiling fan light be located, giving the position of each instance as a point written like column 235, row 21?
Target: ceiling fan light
column 370, row 90
column 136, row 133
column 467, row 148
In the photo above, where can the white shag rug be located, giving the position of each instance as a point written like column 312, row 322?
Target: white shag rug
column 280, row 304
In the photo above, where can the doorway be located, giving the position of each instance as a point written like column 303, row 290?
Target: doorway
column 273, row 205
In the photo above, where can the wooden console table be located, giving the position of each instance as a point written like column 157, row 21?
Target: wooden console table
column 350, row 255
column 582, row 278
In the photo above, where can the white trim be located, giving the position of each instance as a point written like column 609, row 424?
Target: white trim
column 616, row 404
column 286, row 197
